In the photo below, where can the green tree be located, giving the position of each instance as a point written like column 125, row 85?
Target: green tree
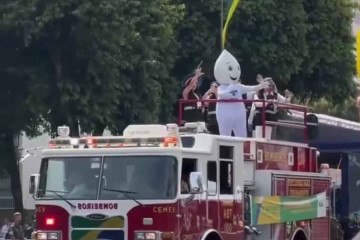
column 269, row 37
column 93, row 64
column 265, row 36
column 329, row 66
column 15, row 114
column 199, row 37
column 306, row 46
column 98, row 64
column 345, row 109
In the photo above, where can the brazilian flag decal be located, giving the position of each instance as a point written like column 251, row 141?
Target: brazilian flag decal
column 97, row 234
column 84, row 222
column 86, row 228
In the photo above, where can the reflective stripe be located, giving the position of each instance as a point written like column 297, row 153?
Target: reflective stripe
column 189, row 108
column 212, row 112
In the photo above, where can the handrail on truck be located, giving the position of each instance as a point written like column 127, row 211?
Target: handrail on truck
column 284, row 106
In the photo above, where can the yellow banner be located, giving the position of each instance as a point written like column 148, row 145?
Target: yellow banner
column 279, row 209
column 230, row 15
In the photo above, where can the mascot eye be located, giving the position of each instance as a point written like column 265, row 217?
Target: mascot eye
column 230, row 68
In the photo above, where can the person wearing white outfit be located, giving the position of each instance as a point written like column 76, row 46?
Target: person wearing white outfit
column 5, row 228
column 231, row 116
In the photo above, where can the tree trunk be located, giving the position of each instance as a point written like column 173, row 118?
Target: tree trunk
column 12, row 168
column 74, row 129
column 99, row 129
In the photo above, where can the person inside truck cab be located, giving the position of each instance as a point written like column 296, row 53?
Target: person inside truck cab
column 187, row 168
column 79, row 184
column 185, row 186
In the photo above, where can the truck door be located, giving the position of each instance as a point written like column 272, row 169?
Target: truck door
column 230, row 191
column 213, row 194
column 191, row 208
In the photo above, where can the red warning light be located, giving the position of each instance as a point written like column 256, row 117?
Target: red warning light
column 49, row 221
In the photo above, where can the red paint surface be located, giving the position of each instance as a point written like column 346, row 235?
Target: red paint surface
column 183, row 221
column 163, row 215
column 314, row 161
column 60, row 215
column 276, row 157
column 225, row 216
column 301, row 163
column 320, row 227
column 247, row 149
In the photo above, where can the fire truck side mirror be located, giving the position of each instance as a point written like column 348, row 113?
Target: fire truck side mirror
column 196, row 183
column 33, row 183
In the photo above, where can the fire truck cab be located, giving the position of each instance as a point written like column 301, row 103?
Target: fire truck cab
column 159, row 182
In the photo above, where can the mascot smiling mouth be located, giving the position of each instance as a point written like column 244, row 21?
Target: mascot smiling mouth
column 233, row 78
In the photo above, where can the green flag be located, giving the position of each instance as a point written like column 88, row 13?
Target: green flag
column 232, row 9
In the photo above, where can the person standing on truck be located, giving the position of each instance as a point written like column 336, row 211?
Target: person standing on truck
column 210, row 109
column 192, row 110
column 270, row 94
column 17, row 230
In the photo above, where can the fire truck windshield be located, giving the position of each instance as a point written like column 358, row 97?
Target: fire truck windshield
column 144, row 177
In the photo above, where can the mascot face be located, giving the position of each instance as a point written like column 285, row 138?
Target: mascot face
column 227, row 69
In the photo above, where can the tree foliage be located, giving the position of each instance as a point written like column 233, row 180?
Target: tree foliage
column 328, row 69
column 269, row 38
column 15, row 114
column 345, row 109
column 98, row 64
column 304, row 45
column 93, row 64
column 198, row 36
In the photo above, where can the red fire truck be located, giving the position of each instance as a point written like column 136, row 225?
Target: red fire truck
column 165, row 182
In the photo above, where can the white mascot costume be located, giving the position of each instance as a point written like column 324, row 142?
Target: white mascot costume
column 231, row 116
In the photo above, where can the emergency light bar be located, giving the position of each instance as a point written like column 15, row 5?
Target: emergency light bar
column 60, row 143
column 117, row 142
column 134, row 136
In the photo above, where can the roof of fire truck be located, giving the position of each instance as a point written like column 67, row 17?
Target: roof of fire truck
column 149, row 137
column 192, row 137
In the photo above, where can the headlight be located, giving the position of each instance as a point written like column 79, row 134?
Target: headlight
column 42, row 236
column 153, row 235
column 150, row 236
column 53, row 236
column 48, row 236
column 139, row 236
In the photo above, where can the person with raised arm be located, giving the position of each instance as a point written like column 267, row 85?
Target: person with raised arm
column 272, row 96
column 192, row 110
